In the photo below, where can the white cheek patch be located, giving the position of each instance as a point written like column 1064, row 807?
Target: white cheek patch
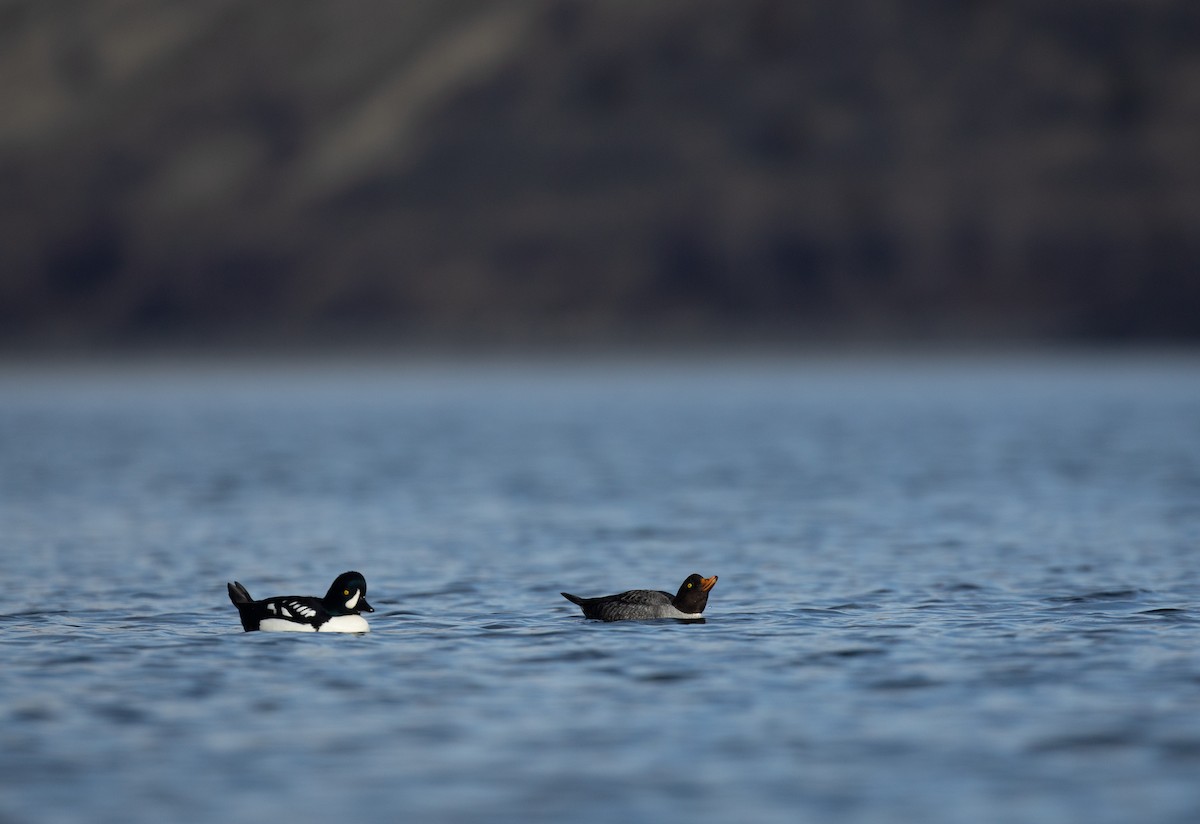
column 353, row 602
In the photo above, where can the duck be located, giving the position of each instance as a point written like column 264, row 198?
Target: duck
column 644, row 604
column 338, row 611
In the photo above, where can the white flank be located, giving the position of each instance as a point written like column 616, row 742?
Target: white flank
column 346, row 623
column 280, row 625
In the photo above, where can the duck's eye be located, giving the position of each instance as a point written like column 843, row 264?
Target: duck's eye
column 347, row 592
column 689, row 584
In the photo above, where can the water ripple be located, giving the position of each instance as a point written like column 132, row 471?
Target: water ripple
column 920, row 616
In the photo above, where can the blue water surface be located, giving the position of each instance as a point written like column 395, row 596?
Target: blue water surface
column 951, row 589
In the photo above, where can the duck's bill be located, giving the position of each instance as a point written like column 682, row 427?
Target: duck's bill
column 707, row 583
column 363, row 606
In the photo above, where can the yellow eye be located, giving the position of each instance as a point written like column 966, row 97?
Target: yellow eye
column 347, row 592
column 689, row 586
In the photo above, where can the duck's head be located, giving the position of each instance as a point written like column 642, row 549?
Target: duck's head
column 693, row 593
column 348, row 595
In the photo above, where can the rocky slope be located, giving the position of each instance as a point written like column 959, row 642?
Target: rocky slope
column 553, row 169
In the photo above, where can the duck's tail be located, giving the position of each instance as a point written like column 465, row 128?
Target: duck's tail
column 238, row 594
column 574, row 599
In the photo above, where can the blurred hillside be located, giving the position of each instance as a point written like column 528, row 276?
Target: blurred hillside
column 282, row 169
